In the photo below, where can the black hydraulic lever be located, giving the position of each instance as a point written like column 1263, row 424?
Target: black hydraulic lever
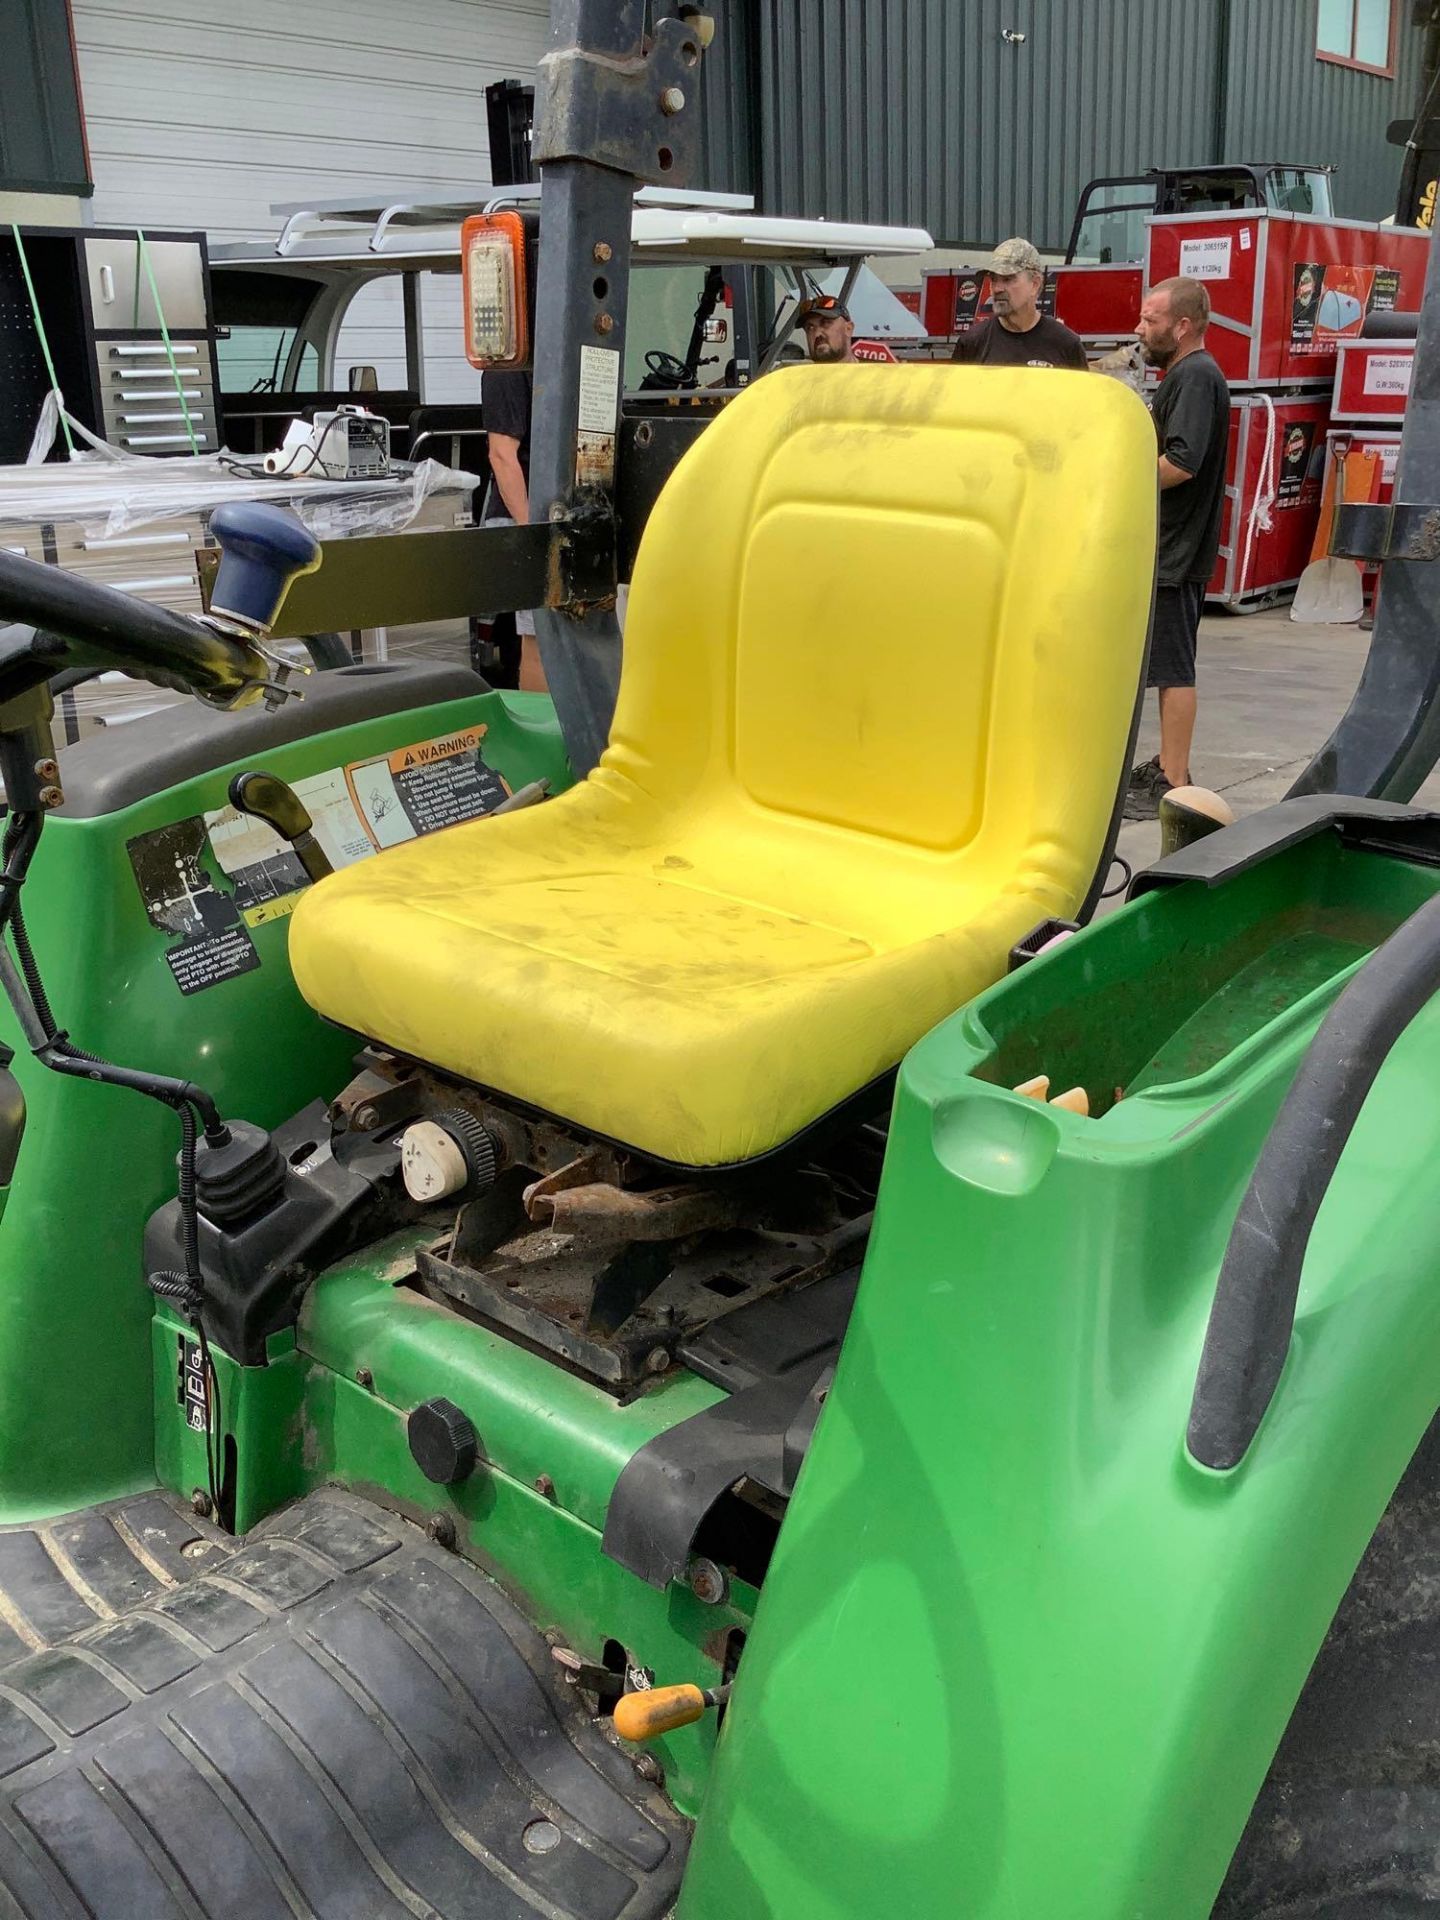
column 132, row 635
column 263, row 549
column 265, row 797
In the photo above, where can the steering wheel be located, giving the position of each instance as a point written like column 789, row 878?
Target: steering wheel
column 667, row 370
column 67, row 621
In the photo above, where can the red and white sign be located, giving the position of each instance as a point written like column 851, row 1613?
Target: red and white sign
column 872, row 350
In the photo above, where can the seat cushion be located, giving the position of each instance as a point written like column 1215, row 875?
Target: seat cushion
column 636, row 990
column 881, row 661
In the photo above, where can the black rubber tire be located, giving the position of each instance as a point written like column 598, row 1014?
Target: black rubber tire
column 1347, row 1825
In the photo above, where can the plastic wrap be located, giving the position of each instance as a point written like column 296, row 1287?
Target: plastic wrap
column 108, row 493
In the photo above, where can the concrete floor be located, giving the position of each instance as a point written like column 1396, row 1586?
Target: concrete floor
column 1270, row 692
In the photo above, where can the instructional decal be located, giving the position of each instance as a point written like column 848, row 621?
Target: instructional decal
column 194, row 1387
column 181, row 899
column 1207, row 258
column 595, row 417
column 357, row 810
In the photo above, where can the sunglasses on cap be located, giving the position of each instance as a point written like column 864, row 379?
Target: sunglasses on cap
column 825, row 306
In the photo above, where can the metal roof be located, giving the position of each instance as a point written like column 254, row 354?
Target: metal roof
column 381, row 235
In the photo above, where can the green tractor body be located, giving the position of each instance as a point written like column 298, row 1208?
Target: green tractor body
column 610, row 1266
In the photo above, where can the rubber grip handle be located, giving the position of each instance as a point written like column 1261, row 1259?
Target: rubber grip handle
column 657, row 1710
column 263, row 548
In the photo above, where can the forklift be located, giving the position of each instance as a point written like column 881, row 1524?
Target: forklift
column 621, row 1305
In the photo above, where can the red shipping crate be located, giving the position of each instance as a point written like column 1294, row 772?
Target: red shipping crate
column 1372, row 380
column 1285, row 288
column 1100, row 303
column 952, row 298
column 1277, row 452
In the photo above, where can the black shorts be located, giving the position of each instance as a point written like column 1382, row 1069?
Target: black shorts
column 1172, row 638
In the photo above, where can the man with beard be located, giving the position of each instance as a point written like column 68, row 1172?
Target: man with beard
column 829, row 330
column 1191, row 411
column 1019, row 335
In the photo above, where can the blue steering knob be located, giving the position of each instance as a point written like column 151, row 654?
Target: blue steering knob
column 262, row 549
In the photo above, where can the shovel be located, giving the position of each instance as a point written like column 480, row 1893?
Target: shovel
column 1330, row 592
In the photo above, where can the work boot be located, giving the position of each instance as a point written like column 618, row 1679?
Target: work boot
column 1143, row 795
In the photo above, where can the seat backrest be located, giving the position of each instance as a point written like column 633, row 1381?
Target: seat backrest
column 906, row 604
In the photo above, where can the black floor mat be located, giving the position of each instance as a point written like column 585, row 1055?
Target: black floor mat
column 334, row 1718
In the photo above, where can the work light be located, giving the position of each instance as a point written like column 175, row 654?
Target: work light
column 492, row 251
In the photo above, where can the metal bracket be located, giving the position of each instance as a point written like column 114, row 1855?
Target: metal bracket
column 1403, row 530
column 630, row 114
column 580, row 573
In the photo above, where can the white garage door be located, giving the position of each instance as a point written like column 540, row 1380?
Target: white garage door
column 203, row 115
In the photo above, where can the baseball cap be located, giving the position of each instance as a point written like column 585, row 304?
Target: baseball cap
column 823, row 306
column 1016, row 256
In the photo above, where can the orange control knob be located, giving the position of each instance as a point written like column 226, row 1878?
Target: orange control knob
column 656, row 1710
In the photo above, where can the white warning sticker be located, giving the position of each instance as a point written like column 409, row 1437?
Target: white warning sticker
column 1388, row 373
column 599, row 389
column 1206, row 258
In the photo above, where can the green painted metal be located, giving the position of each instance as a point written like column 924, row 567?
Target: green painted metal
column 1017, row 1654
column 307, row 1420
column 76, row 1419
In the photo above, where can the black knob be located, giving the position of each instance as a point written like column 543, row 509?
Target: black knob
column 443, row 1442
column 262, row 549
column 264, row 796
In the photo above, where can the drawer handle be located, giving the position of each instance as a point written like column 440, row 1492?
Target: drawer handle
column 136, row 540
column 152, row 348
column 107, row 285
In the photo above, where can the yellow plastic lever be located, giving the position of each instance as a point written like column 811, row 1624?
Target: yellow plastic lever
column 657, row 1710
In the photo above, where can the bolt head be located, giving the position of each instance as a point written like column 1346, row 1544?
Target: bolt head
column 47, row 770
column 604, row 323
column 200, row 1503
column 657, row 1360
column 545, row 1486
column 441, row 1529
column 51, row 797
column 647, row 1767
column 708, row 1582
column 672, row 100
column 603, row 251
column 364, row 1118
column 364, row 1378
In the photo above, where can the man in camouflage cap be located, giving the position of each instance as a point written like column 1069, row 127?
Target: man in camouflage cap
column 1019, row 335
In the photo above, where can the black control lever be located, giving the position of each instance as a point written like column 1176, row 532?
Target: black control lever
column 265, row 797
column 263, row 549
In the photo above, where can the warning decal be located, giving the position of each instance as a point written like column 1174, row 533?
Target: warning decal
column 357, row 810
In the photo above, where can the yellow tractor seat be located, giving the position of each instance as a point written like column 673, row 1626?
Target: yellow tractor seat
column 881, row 658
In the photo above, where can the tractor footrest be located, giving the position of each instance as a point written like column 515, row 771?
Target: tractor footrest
column 333, row 1716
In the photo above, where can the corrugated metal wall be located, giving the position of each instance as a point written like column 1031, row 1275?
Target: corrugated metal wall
column 922, row 111
column 202, row 115
column 1348, row 110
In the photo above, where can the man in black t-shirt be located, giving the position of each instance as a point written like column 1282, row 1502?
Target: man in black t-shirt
column 506, row 400
column 1191, row 411
column 1019, row 335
